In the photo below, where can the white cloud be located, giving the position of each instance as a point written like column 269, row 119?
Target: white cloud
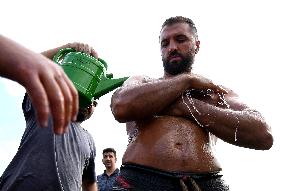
column 12, row 88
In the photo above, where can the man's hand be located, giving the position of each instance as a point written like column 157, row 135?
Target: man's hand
column 80, row 47
column 200, row 82
column 49, row 88
column 51, row 92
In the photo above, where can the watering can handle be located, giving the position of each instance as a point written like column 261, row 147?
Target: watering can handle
column 61, row 53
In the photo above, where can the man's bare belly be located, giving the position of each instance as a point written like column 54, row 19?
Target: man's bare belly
column 171, row 144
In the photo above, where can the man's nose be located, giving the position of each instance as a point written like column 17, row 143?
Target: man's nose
column 172, row 46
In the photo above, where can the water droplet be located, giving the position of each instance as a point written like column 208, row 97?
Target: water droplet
column 236, row 134
column 189, row 98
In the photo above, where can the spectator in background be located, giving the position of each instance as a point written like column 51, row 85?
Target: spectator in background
column 106, row 180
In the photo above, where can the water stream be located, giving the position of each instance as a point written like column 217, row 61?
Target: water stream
column 222, row 102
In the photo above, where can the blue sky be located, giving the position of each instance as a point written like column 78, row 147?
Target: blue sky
column 241, row 48
column 12, row 126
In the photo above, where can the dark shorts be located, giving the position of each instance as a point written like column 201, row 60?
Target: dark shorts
column 135, row 177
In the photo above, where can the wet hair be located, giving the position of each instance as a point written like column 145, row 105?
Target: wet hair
column 180, row 19
column 109, row 150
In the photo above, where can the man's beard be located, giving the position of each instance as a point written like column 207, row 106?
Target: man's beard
column 177, row 67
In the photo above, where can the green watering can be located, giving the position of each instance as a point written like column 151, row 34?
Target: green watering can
column 88, row 74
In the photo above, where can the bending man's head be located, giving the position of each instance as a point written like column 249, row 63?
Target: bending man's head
column 178, row 44
column 86, row 113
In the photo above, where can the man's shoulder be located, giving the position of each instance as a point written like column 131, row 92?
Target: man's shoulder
column 138, row 80
column 115, row 173
column 100, row 176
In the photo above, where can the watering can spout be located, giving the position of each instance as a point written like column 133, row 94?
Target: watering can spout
column 107, row 85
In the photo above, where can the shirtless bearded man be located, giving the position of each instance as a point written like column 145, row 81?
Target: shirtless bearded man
column 173, row 121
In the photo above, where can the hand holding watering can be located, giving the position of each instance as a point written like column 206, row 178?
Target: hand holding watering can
column 88, row 74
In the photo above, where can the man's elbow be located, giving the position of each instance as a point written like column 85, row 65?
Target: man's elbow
column 119, row 111
column 267, row 141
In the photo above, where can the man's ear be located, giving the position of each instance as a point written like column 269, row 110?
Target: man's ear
column 197, row 46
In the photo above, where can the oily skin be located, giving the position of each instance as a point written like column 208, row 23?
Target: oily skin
column 182, row 142
column 171, row 120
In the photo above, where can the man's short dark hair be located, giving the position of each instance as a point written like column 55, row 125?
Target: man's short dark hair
column 109, row 150
column 181, row 19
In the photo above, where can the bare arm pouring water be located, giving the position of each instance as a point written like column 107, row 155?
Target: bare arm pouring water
column 46, row 83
